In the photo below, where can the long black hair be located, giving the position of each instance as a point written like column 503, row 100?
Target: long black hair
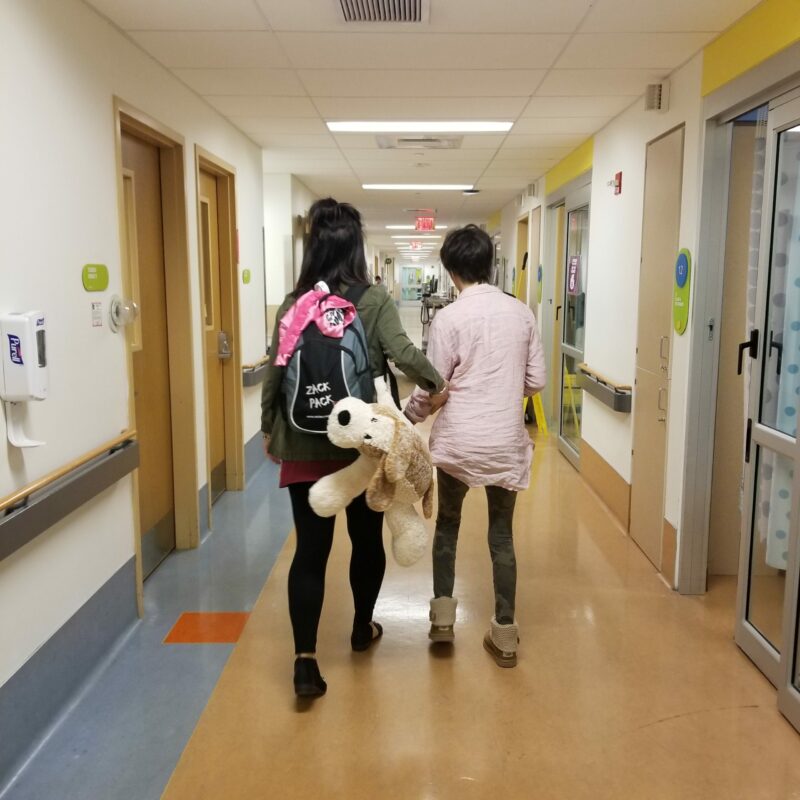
column 335, row 249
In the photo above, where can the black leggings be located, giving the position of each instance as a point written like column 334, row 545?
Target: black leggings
column 307, row 573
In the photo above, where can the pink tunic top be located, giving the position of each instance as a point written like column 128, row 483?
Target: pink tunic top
column 487, row 346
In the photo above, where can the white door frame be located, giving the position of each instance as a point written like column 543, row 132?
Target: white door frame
column 770, row 80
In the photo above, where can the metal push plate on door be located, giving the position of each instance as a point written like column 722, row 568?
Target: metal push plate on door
column 223, row 346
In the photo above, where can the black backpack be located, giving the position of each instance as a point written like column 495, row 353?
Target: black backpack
column 324, row 370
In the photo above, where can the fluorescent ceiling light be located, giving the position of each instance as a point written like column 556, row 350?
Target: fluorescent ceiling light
column 421, row 236
column 411, row 227
column 420, row 126
column 419, row 187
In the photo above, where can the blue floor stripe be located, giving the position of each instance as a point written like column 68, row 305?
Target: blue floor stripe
column 124, row 737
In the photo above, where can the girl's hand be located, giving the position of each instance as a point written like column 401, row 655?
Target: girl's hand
column 439, row 399
column 268, row 455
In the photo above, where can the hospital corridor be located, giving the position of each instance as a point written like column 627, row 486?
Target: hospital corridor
column 399, row 400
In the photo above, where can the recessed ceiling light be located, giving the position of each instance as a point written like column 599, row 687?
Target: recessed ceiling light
column 470, row 192
column 420, row 126
column 419, row 187
column 411, row 227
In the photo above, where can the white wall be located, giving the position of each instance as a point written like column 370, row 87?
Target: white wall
column 62, row 64
column 613, row 283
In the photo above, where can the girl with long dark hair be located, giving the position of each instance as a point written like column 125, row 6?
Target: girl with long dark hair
column 335, row 255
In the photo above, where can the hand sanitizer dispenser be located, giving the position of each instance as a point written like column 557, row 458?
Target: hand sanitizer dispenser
column 24, row 369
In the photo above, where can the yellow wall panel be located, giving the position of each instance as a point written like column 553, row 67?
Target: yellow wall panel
column 570, row 167
column 770, row 27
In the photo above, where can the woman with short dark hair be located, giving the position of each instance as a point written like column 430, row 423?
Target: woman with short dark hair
column 335, row 255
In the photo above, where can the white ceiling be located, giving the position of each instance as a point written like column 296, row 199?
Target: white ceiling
column 560, row 69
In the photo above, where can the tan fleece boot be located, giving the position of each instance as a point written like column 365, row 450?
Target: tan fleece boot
column 443, row 618
column 501, row 642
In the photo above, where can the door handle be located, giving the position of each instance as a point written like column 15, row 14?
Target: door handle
column 662, row 392
column 223, row 346
column 662, row 340
column 558, row 311
column 773, row 345
column 752, row 345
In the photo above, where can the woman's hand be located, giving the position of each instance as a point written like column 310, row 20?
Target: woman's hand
column 267, row 439
column 439, row 399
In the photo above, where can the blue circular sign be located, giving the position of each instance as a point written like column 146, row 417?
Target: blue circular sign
column 539, row 274
column 682, row 270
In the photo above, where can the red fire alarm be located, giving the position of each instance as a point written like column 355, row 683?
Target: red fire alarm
column 618, row 183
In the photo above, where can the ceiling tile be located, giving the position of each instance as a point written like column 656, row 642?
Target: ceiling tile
column 242, row 81
column 501, row 171
column 506, row 183
column 182, row 15
column 557, row 125
column 417, row 83
column 430, row 51
column 532, row 153
column 537, row 140
column 269, row 125
column 474, row 154
column 518, row 16
column 629, row 82
column 593, row 106
column 309, row 153
column 675, row 15
column 631, row 50
column 295, row 142
column 222, row 49
column 260, row 106
column 420, row 108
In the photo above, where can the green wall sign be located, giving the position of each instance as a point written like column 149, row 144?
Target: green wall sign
column 539, row 285
column 680, row 297
column 95, row 277
column 246, row 276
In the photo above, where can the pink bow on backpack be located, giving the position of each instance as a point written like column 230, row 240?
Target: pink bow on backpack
column 331, row 313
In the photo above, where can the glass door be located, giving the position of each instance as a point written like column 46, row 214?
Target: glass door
column 767, row 613
column 576, row 267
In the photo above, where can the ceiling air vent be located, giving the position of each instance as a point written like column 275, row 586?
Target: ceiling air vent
column 385, row 10
column 419, row 142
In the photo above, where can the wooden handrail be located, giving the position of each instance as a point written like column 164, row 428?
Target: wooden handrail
column 587, row 370
column 260, row 362
column 51, row 477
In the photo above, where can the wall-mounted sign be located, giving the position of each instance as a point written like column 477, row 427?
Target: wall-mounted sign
column 95, row 277
column 618, row 183
column 425, row 224
column 416, row 245
column 680, row 297
column 246, row 276
column 539, row 276
column 97, row 315
column 573, row 275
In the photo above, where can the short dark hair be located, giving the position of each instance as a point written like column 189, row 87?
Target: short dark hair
column 334, row 252
column 468, row 252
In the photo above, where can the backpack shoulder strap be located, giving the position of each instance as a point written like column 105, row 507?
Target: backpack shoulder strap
column 355, row 293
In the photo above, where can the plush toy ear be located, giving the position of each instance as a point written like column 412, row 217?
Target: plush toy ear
column 380, row 492
column 401, row 451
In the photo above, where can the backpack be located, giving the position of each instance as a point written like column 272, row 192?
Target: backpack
column 323, row 370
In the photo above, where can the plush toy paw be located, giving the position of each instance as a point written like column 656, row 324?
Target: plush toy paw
column 327, row 497
column 409, row 536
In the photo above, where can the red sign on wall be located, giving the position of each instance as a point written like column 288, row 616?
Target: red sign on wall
column 416, row 245
column 426, row 224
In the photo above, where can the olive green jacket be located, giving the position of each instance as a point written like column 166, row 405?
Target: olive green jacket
column 385, row 338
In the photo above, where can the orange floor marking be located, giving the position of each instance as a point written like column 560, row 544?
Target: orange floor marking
column 223, row 627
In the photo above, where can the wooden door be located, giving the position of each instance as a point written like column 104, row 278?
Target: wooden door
column 725, row 522
column 660, row 232
column 151, row 378
column 534, row 243
column 217, row 340
column 521, row 282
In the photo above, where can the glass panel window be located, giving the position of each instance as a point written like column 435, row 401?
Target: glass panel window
column 577, row 267
column 769, row 549
column 571, row 400
column 781, row 375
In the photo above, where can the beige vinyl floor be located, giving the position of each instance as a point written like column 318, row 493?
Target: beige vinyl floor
column 624, row 689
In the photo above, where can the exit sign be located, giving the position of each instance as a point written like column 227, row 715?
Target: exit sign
column 416, row 245
column 426, row 224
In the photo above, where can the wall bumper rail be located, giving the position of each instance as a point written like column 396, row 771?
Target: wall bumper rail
column 253, row 374
column 35, row 508
column 616, row 396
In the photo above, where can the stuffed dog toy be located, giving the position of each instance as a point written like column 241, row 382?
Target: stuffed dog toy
column 394, row 468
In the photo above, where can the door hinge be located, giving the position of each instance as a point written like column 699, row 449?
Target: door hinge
column 711, row 324
column 747, row 441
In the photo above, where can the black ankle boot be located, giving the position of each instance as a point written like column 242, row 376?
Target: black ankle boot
column 364, row 635
column 307, row 680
